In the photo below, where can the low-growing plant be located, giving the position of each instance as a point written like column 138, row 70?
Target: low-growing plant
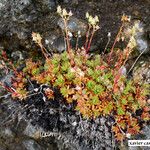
column 97, row 86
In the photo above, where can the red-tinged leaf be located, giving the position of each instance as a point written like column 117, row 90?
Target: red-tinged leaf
column 101, row 67
column 115, row 129
column 49, row 93
column 69, row 99
column 142, row 102
column 146, row 108
column 145, row 116
column 120, row 136
column 133, row 130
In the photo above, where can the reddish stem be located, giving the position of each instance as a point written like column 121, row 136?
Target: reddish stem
column 119, row 63
column 90, row 41
column 67, row 37
column 87, row 37
column 42, row 49
column 9, row 61
column 7, row 88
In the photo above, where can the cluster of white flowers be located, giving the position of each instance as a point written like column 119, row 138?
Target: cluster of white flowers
column 132, row 32
column 93, row 21
column 132, row 43
column 136, row 28
column 36, row 37
column 63, row 13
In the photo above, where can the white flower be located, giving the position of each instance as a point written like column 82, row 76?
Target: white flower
column 70, row 14
column 87, row 15
column 132, row 43
column 70, row 34
column 79, row 32
column 96, row 19
column 91, row 20
column 64, row 12
column 129, row 18
column 44, row 98
column 59, row 10
column 36, row 37
column 46, row 41
column 97, row 27
column 109, row 34
column 128, row 135
column 36, row 89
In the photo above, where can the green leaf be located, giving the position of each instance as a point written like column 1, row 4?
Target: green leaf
column 25, row 70
column 107, row 76
column 35, row 71
column 124, row 101
column 78, row 61
column 59, row 81
column 46, row 66
column 98, row 80
column 64, row 91
column 97, row 60
column 120, row 111
column 90, row 84
column 146, row 90
column 48, row 78
column 98, row 89
column 65, row 66
column 90, row 63
column 70, row 76
column 128, row 88
column 95, row 100
column 90, row 72
column 130, row 98
column 56, row 59
column 96, row 74
column 64, row 56
column 56, row 70
column 96, row 113
column 108, row 108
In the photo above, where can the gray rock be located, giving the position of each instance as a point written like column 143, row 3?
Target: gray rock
column 31, row 145
column 8, row 132
column 44, row 5
column 146, row 131
column 33, row 131
column 17, row 19
column 55, row 43
column 6, row 80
